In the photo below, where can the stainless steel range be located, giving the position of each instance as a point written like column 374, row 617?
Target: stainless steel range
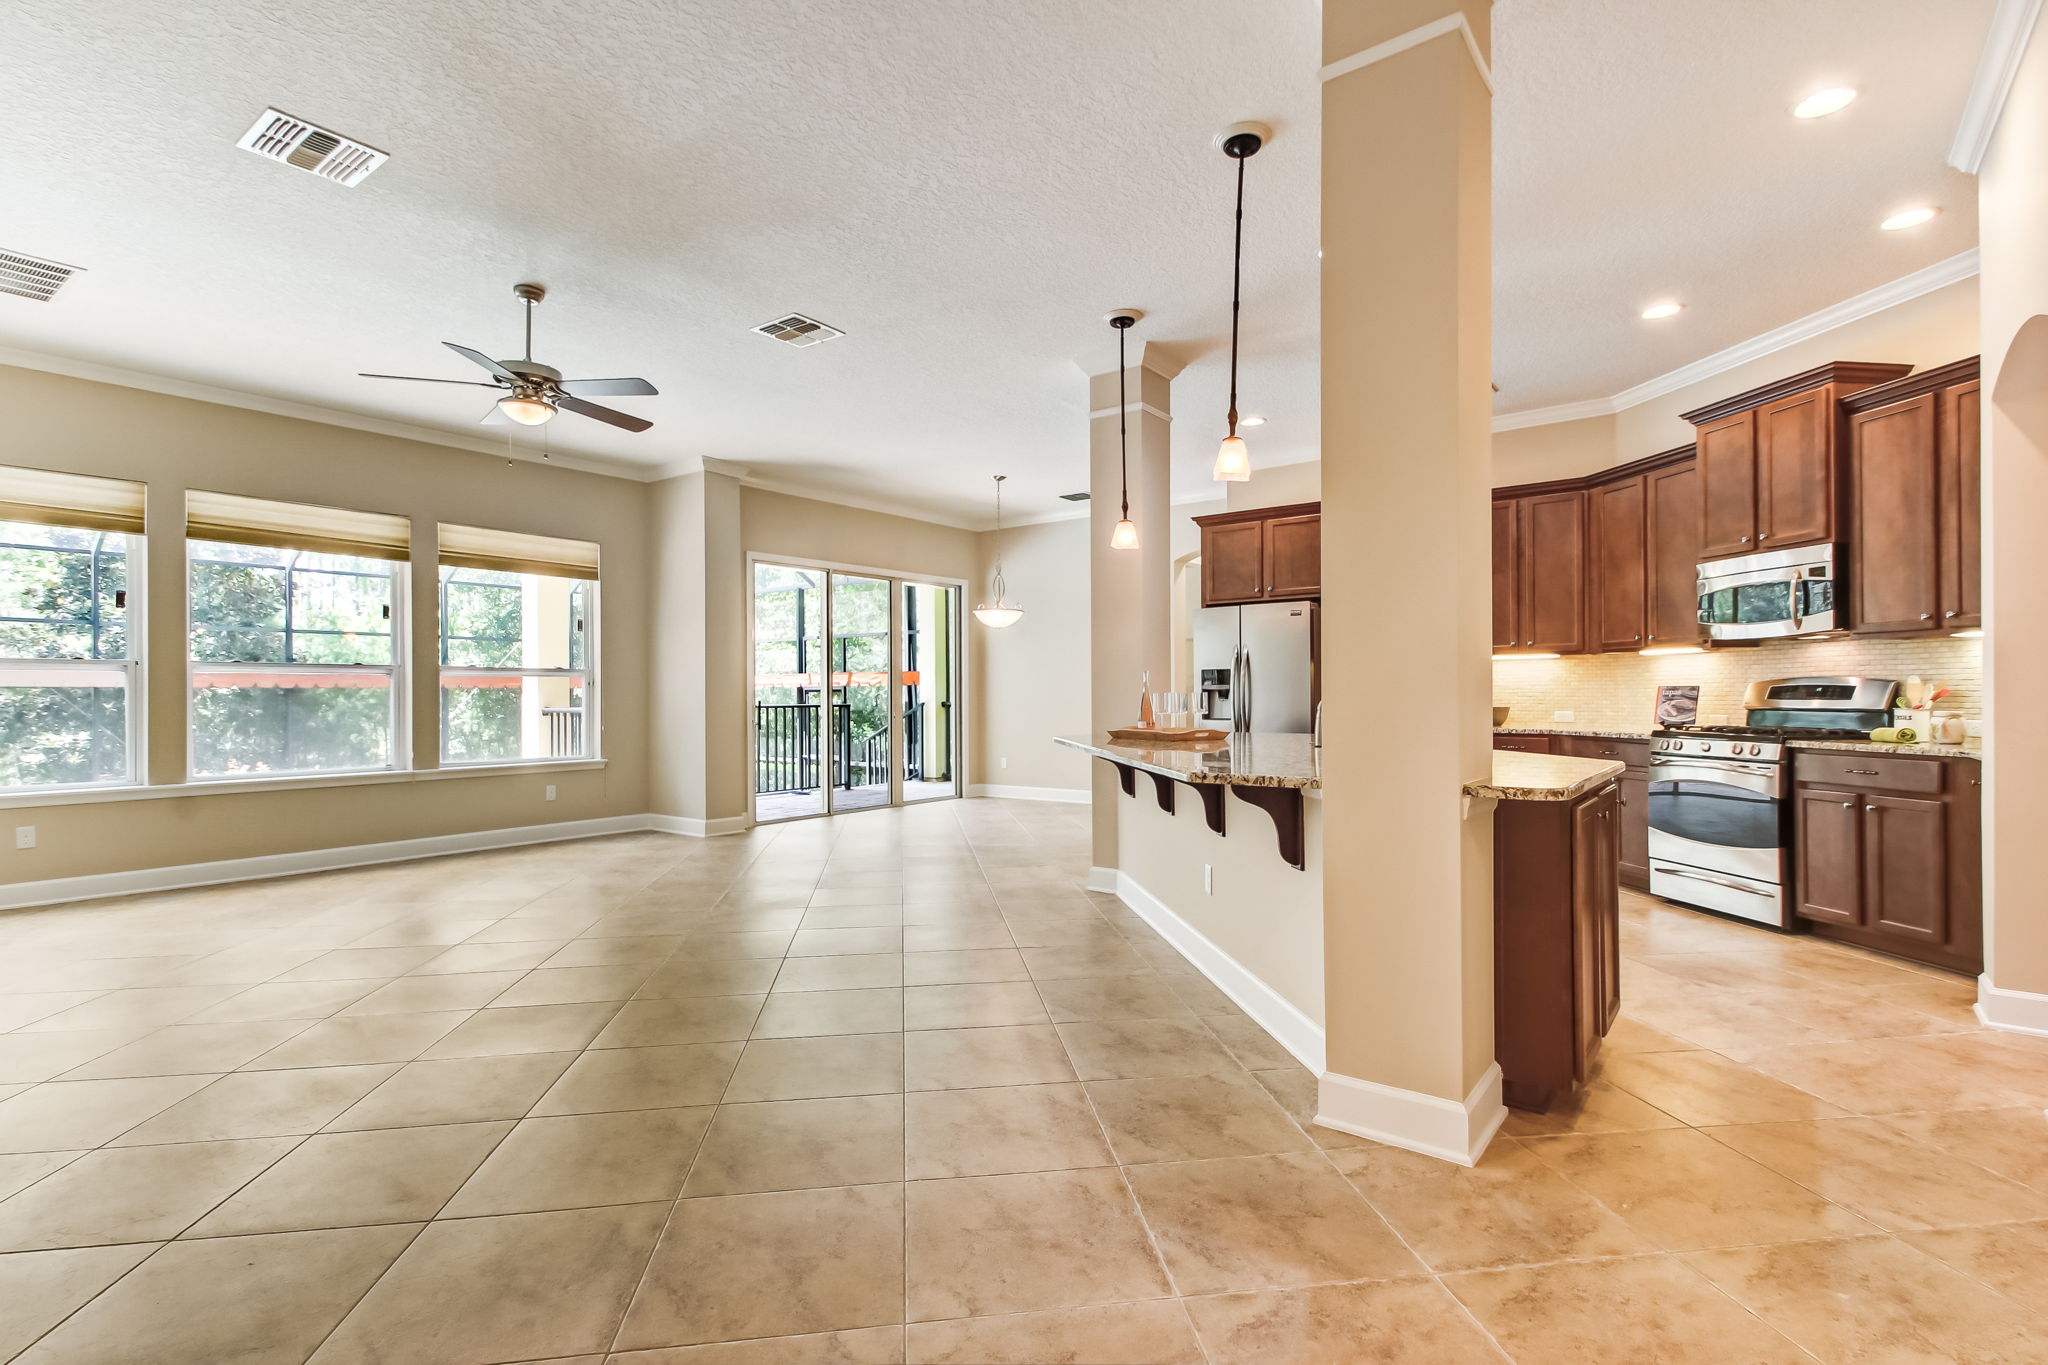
column 1719, row 814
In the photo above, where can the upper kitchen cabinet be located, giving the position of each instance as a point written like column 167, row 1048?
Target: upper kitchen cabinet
column 1539, row 572
column 1913, row 503
column 1618, row 587
column 1771, row 460
column 1506, row 564
column 1263, row 554
column 1676, row 534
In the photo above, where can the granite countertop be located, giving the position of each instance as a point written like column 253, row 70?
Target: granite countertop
column 1543, row 777
column 1254, row 760
column 1569, row 730
column 1969, row 748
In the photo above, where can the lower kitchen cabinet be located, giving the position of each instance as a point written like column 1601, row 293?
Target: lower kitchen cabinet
column 1523, row 744
column 1888, row 854
column 1633, row 845
column 1556, row 941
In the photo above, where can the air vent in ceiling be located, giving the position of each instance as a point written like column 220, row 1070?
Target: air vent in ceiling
column 798, row 330
column 1075, row 497
column 280, row 137
column 31, row 278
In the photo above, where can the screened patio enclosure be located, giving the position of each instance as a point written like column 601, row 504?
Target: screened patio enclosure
column 855, row 690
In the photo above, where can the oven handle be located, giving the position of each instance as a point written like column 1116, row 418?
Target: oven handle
column 1709, row 765
column 1711, row 880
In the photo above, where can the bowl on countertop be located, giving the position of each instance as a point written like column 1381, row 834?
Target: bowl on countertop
column 1500, row 716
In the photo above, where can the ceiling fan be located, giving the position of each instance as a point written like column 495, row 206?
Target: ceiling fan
column 533, row 391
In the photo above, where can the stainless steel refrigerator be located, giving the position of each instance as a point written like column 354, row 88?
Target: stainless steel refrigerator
column 1279, row 641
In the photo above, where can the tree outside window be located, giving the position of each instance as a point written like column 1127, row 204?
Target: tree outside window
column 66, row 672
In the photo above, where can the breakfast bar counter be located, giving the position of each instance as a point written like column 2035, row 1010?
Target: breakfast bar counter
column 1246, row 760
column 1543, row 777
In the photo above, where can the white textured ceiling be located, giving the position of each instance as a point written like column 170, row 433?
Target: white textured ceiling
column 964, row 189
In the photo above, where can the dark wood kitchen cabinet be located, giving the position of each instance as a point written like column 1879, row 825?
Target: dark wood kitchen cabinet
column 1632, row 849
column 1524, row 744
column 1727, row 485
column 1263, row 554
column 1914, row 498
column 1557, row 942
column 1888, row 854
column 1676, row 534
column 1539, row 573
column 1618, row 586
column 1507, row 551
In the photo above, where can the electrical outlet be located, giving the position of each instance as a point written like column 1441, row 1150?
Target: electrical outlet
column 1208, row 879
column 551, row 791
column 24, row 836
column 1002, row 763
column 1564, row 715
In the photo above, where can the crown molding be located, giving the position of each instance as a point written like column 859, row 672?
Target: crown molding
column 74, row 368
column 1872, row 301
column 1416, row 37
column 839, row 498
column 2012, row 23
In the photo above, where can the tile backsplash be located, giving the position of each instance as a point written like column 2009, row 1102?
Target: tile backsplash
column 1619, row 691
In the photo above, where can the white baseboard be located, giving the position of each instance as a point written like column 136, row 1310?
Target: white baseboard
column 1407, row 1118
column 2011, row 1011
column 1273, row 1012
column 699, row 829
column 17, row 895
column 1072, row 796
column 1102, row 879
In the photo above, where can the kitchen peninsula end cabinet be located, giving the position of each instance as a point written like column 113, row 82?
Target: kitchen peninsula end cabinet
column 1888, row 854
column 1539, row 572
column 1556, row 941
column 1914, row 500
column 1632, row 847
column 1262, row 554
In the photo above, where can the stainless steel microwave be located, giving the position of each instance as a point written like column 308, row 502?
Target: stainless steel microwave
column 1761, row 597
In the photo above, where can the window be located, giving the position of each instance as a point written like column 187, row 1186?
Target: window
column 517, row 663
column 67, row 658
column 296, row 647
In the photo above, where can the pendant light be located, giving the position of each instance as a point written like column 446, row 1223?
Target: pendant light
column 998, row 614
column 1240, row 142
column 1125, row 537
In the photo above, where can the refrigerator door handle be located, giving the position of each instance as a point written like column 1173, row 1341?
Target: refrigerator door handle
column 1241, row 691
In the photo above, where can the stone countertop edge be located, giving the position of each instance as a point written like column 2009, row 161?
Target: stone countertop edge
column 1970, row 748
column 1543, row 777
column 1569, row 730
column 1255, row 760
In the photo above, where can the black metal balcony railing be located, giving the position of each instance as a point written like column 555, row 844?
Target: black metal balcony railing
column 787, row 753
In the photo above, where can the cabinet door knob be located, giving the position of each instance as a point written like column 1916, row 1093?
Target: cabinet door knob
column 1870, row 808
column 1745, row 540
column 1848, row 805
column 1948, row 613
column 1927, row 616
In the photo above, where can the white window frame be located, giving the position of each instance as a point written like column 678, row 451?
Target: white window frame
column 592, row 729
column 399, row 758
column 135, row 701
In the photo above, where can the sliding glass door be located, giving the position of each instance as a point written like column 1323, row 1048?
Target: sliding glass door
column 855, row 690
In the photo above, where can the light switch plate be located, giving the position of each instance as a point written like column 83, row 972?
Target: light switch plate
column 551, row 791
column 24, row 836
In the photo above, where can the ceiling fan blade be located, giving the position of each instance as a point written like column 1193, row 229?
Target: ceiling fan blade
column 423, row 379
column 571, row 403
column 591, row 388
column 480, row 358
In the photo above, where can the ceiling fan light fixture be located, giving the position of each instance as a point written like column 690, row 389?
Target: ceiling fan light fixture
column 526, row 409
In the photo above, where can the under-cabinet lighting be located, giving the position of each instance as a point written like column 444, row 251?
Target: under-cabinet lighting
column 1655, row 650
column 1821, row 103
column 1966, row 635
column 1499, row 657
column 1909, row 218
column 1813, row 637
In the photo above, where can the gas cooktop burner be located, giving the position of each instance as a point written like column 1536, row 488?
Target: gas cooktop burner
column 1777, row 734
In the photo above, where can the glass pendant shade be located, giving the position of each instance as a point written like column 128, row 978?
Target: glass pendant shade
column 997, row 617
column 1125, row 537
column 1233, row 461
column 528, row 412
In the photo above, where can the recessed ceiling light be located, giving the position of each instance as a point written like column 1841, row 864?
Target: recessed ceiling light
column 1251, row 421
column 1821, row 103
column 1663, row 310
column 1908, row 218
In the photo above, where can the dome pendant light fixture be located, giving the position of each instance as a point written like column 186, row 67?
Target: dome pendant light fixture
column 1240, row 142
column 1125, row 537
column 998, row 614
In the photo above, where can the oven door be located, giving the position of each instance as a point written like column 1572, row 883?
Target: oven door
column 1723, row 815
column 1767, row 604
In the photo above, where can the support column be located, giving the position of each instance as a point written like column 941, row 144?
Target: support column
column 697, row 713
column 1130, row 594
column 1406, row 352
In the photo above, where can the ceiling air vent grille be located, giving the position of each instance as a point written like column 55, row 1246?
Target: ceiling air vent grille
column 31, row 278
column 277, row 136
column 798, row 330
column 1075, row 497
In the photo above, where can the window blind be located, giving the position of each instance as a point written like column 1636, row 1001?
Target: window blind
column 48, row 498
column 296, row 526
column 474, row 547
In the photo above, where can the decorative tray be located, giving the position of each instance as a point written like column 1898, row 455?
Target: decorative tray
column 1153, row 734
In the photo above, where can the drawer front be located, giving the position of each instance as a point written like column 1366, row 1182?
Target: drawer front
column 1634, row 752
column 1525, row 744
column 1870, row 772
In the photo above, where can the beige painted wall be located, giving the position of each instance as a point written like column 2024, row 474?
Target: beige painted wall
column 172, row 444
column 1276, row 487
column 1033, row 675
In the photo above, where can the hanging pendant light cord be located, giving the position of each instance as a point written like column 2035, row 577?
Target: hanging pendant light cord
column 998, row 584
column 1236, row 269
column 1123, row 439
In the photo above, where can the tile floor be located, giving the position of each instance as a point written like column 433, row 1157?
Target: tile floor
column 894, row 1087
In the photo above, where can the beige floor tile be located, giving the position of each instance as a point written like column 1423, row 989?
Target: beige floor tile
column 818, row 1068
column 1098, row 997
column 767, row 1265
column 1874, row 1299
column 361, row 1040
column 518, row 1029
column 39, row 1289
column 1126, row 1049
column 1887, row 1177
column 251, row 1104
column 715, row 947
column 583, row 1160
column 1001, row 1131
column 1264, row 1222
column 428, row 994
column 384, row 1175
column 513, row 955
column 256, row 1301
column 1894, row 1075
column 811, row 1014
column 1050, row 963
column 1707, row 1088
column 1683, row 1190
column 735, row 976
column 800, row 1144
column 138, row 1009
column 468, row 1090
column 576, row 985
column 642, row 1078
column 866, row 1346
column 348, row 964
column 649, row 949
column 132, row 1194
column 1632, row 1035
column 1189, row 1118
column 1155, row 1332
column 1388, row 1322
column 991, row 1004
column 286, row 1000
column 1618, row 1312
column 2012, row 1258
column 958, row 1059
column 886, row 938
column 857, row 895
column 979, row 934
column 1204, row 998
column 188, row 1049
column 1599, row 1106
column 2012, row 1142
column 19, row 1170
column 961, row 965
column 849, row 971
column 691, row 1019
column 62, row 1115
column 1299, row 1094
column 529, row 1286
column 1255, row 1048
column 26, row 1007
column 1015, row 1243
column 26, row 1058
